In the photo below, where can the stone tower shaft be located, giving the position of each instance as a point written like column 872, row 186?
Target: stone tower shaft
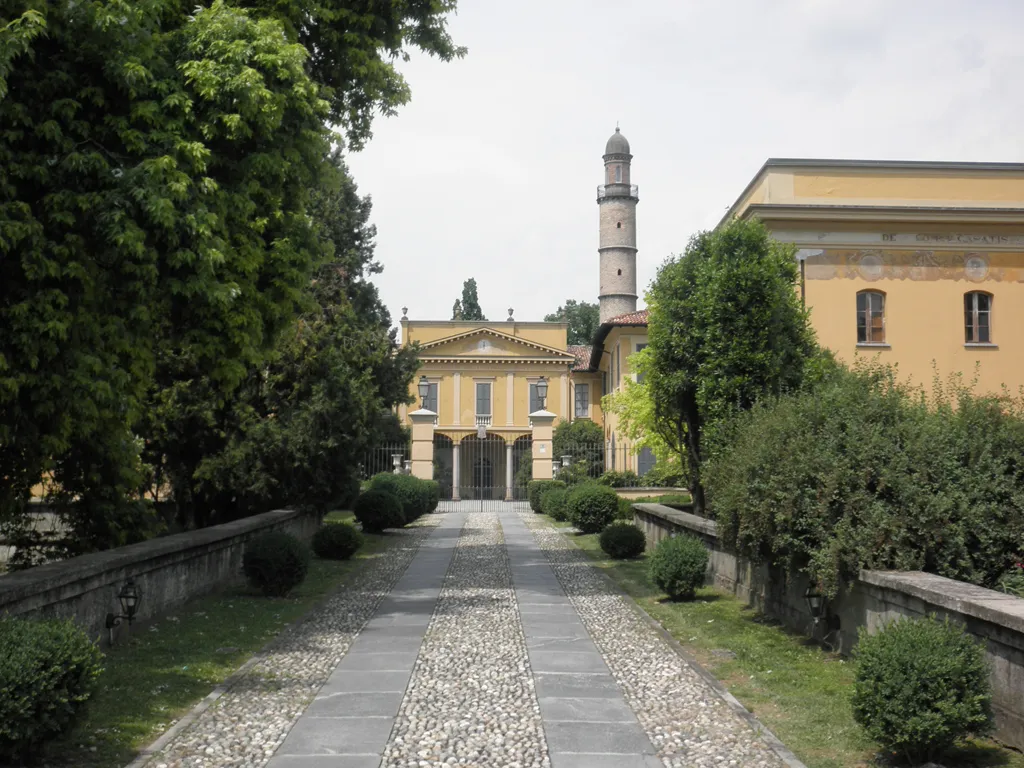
column 617, row 199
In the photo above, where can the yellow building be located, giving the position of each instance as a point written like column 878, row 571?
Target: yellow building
column 916, row 263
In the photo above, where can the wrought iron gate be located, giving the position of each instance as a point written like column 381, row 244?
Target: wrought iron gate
column 487, row 473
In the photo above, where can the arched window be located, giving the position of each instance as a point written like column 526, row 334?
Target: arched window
column 870, row 317
column 978, row 317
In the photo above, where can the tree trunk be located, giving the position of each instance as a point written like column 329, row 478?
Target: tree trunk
column 691, row 415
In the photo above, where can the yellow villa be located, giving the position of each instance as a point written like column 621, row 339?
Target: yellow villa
column 919, row 263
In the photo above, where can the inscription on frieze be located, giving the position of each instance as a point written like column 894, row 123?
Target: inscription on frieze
column 919, row 265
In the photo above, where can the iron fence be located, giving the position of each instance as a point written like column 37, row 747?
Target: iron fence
column 388, row 457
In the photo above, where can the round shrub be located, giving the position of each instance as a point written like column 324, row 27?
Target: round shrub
column 275, row 563
column 678, row 565
column 591, row 507
column 48, row 670
column 433, row 493
column 536, row 487
column 921, row 686
column 377, row 510
column 411, row 492
column 336, row 541
column 552, row 503
column 623, row 540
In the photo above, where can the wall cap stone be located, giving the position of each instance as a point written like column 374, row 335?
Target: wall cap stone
column 684, row 519
column 961, row 597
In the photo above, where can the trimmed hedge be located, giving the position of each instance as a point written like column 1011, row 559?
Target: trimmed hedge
column 377, row 510
column 678, row 566
column 336, row 541
column 433, row 493
column 552, row 503
column 536, row 487
column 48, row 671
column 415, row 495
column 275, row 563
column 921, row 686
column 622, row 541
column 591, row 507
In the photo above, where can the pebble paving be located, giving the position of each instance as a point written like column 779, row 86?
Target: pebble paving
column 486, row 639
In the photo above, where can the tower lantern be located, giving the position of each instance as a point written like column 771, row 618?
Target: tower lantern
column 617, row 199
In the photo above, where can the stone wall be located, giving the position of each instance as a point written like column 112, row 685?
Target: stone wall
column 647, row 492
column 169, row 571
column 874, row 599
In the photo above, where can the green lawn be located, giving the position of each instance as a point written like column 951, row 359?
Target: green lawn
column 798, row 691
column 171, row 664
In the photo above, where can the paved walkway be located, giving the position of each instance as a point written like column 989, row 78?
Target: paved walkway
column 497, row 648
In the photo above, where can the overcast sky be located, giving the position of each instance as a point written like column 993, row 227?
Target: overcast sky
column 491, row 170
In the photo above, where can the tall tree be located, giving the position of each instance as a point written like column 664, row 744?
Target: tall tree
column 470, row 304
column 583, row 318
column 726, row 327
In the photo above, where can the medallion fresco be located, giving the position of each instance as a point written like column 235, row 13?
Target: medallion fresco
column 877, row 264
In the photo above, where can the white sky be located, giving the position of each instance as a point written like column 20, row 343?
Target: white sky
column 491, row 170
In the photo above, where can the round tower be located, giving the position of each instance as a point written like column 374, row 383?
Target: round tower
column 617, row 199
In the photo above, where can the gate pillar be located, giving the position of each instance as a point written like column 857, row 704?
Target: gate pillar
column 423, row 443
column 543, row 433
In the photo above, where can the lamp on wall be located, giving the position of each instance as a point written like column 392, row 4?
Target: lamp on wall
column 424, row 388
column 130, row 597
column 542, row 392
column 815, row 602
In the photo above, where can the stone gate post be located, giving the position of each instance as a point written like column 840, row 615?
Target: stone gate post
column 543, row 433
column 423, row 443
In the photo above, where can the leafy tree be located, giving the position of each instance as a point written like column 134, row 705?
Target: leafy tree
column 583, row 318
column 154, row 213
column 470, row 304
column 726, row 327
column 583, row 440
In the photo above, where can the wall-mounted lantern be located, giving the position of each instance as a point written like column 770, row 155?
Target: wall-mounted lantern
column 542, row 392
column 130, row 596
column 815, row 603
column 424, row 387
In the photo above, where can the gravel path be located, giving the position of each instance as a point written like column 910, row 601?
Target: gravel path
column 689, row 723
column 252, row 718
column 471, row 700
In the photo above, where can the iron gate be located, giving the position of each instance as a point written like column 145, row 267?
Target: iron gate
column 486, row 473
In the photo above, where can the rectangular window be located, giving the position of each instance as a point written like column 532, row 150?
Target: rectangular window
column 535, row 403
column 618, row 174
column 483, row 398
column 978, row 318
column 618, row 365
column 430, row 401
column 870, row 317
column 639, row 376
column 582, row 401
column 645, row 461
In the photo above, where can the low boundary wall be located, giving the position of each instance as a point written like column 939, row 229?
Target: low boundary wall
column 876, row 598
column 169, row 571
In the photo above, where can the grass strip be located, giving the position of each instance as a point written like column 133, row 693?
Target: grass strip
column 800, row 692
column 172, row 663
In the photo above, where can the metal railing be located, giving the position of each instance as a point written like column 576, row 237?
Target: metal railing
column 620, row 464
column 618, row 190
column 389, row 457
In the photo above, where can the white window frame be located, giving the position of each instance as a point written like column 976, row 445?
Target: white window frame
column 435, row 382
column 489, row 381
column 576, row 402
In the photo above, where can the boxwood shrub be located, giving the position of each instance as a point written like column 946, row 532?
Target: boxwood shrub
column 48, row 671
column 591, row 507
column 275, row 563
column 536, row 487
column 678, row 565
column 377, row 510
column 336, row 541
column 552, row 503
column 413, row 494
column 921, row 686
column 623, row 540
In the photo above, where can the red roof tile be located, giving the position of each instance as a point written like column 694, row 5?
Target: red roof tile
column 582, row 354
column 630, row 318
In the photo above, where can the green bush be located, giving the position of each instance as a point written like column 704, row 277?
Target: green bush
column 921, row 686
column 863, row 472
column 48, row 670
column 1012, row 582
column 536, row 487
column 616, row 479
column 414, row 494
column 664, row 475
column 552, row 503
column 678, row 566
column 625, row 510
column 433, row 494
column 590, row 507
column 623, row 540
column 275, row 563
column 336, row 541
column 377, row 510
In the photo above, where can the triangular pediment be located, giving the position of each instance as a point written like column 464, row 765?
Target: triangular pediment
column 489, row 343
